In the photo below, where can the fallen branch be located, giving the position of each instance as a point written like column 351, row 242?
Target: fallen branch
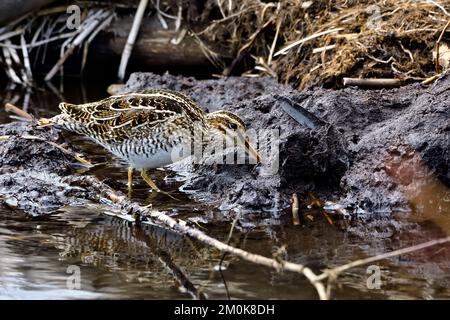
column 144, row 215
column 152, row 217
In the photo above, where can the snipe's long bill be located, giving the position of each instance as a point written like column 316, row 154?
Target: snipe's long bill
column 147, row 128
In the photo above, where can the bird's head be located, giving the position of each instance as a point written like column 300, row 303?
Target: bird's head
column 232, row 127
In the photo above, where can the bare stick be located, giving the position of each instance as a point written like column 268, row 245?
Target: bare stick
column 131, row 38
column 10, row 34
column 432, row 78
column 41, row 42
column 437, row 45
column 23, row 114
column 372, row 82
column 26, row 59
column 10, row 71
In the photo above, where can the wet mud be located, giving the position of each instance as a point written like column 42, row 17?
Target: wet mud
column 370, row 151
column 33, row 172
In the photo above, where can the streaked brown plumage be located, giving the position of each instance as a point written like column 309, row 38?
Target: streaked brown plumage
column 147, row 128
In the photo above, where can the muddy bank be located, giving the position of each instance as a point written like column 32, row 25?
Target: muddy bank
column 33, row 173
column 370, row 151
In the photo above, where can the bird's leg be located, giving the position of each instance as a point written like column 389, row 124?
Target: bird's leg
column 152, row 185
column 130, row 181
column 149, row 180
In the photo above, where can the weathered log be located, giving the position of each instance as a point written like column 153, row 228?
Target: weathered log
column 13, row 9
column 156, row 46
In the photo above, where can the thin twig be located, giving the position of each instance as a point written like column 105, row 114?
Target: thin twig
column 9, row 107
column 437, row 45
column 222, row 259
column 311, row 37
column 274, row 42
column 357, row 263
column 26, row 59
column 439, row 6
column 11, row 34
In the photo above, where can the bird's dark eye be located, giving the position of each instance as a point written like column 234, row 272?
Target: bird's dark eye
column 233, row 126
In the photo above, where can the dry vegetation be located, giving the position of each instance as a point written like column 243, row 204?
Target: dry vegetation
column 303, row 43
column 326, row 40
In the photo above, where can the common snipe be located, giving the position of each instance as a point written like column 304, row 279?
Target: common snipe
column 147, row 128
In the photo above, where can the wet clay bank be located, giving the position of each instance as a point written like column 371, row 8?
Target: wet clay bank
column 369, row 151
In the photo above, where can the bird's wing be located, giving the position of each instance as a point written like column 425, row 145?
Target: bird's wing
column 119, row 116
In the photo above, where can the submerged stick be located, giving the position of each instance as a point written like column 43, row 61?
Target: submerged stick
column 165, row 259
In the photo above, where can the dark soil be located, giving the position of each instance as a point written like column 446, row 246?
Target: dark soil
column 367, row 150
column 371, row 149
column 32, row 173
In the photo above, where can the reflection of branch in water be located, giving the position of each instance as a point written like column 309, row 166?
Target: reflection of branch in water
column 166, row 260
column 225, row 254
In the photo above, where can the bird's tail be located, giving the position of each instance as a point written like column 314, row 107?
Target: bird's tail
column 45, row 122
column 57, row 121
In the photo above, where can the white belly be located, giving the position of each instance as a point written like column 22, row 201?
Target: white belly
column 159, row 159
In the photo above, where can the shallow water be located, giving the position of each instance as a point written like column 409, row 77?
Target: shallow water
column 118, row 260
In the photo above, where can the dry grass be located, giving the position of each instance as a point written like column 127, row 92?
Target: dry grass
column 379, row 38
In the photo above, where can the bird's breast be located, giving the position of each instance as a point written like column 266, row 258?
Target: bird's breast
column 149, row 153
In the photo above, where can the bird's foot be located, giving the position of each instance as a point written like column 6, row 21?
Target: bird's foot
column 153, row 186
